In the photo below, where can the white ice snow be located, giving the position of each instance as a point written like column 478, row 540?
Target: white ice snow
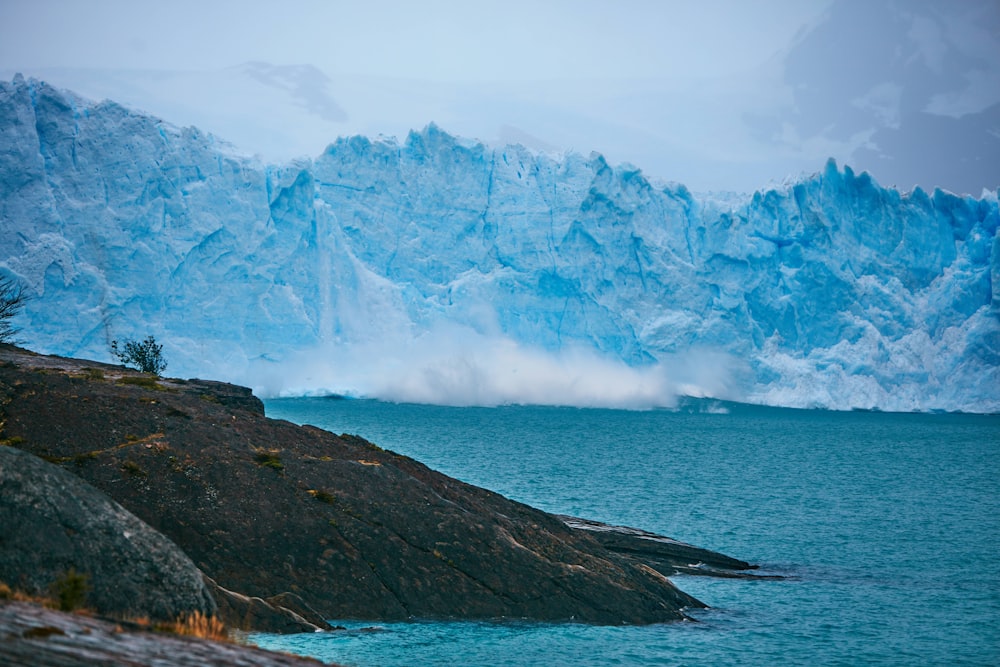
column 443, row 270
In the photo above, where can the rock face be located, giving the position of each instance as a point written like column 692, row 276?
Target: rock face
column 242, row 612
column 52, row 522
column 265, row 507
column 666, row 554
column 32, row 636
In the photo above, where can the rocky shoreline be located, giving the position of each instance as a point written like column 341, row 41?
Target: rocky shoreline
column 280, row 526
column 33, row 636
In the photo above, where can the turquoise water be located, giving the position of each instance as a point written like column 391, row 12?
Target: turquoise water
column 888, row 526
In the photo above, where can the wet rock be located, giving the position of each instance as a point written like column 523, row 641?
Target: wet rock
column 297, row 605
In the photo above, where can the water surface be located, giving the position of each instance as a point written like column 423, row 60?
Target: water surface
column 888, row 525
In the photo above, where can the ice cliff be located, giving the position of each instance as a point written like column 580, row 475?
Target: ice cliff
column 448, row 271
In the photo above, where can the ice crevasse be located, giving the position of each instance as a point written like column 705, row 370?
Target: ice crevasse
column 444, row 270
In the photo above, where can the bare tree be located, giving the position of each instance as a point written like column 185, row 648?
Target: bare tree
column 12, row 300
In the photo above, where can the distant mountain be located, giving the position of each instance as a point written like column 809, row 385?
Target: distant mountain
column 443, row 270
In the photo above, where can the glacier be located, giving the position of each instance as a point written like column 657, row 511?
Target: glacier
column 443, row 270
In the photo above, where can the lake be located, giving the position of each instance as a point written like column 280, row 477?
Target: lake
column 886, row 525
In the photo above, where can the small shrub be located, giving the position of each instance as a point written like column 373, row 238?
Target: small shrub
column 12, row 442
column 84, row 457
column 16, row 595
column 12, row 300
column 323, row 496
column 71, row 590
column 92, row 373
column 269, row 460
column 197, row 624
column 146, row 356
column 140, row 381
column 134, row 469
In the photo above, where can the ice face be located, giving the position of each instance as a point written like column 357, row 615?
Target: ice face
column 442, row 270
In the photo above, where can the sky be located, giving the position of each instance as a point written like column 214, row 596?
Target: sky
column 716, row 94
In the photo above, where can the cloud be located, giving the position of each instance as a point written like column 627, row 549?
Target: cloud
column 699, row 93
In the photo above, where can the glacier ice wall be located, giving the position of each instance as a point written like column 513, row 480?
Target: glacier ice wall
column 444, row 270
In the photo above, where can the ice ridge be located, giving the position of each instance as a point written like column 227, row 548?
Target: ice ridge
column 443, row 270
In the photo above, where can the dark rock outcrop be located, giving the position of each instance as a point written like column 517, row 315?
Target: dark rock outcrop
column 666, row 554
column 242, row 612
column 33, row 636
column 52, row 523
column 265, row 507
column 296, row 605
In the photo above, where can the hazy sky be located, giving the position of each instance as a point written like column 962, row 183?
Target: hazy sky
column 717, row 94
column 443, row 40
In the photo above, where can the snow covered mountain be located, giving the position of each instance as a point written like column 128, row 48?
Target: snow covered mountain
column 442, row 270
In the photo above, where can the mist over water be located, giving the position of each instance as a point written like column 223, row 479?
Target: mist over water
column 462, row 368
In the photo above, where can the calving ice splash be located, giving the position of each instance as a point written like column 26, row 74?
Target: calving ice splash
column 463, row 367
column 443, row 270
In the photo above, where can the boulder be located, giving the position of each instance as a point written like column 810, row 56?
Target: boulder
column 54, row 524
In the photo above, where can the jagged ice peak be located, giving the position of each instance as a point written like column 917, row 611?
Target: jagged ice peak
column 444, row 270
